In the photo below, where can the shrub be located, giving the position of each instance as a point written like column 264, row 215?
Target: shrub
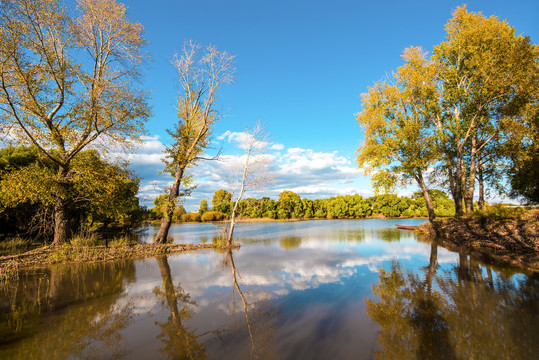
column 191, row 217
column 212, row 216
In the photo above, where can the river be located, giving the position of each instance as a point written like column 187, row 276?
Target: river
column 321, row 289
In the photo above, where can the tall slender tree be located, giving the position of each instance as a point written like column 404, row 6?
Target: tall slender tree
column 252, row 172
column 201, row 74
column 66, row 81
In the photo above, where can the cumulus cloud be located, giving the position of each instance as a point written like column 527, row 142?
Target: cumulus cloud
column 310, row 173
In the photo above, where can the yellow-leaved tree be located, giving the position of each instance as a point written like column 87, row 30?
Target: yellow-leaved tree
column 201, row 73
column 67, row 80
column 396, row 118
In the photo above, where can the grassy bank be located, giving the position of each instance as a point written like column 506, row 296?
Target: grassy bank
column 73, row 253
column 496, row 236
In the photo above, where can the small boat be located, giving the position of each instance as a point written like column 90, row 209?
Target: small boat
column 406, row 227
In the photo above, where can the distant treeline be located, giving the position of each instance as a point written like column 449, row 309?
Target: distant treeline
column 290, row 205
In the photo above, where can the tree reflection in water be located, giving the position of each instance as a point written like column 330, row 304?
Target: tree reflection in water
column 260, row 317
column 456, row 314
column 180, row 342
column 87, row 298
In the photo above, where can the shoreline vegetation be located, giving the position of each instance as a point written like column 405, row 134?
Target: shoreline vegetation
column 44, row 256
column 500, row 235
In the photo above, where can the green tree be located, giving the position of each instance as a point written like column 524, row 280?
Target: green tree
column 201, row 74
column 203, row 207
column 289, row 205
column 524, row 154
column 102, row 193
column 61, row 106
column 396, row 117
column 160, row 208
column 221, row 201
column 486, row 77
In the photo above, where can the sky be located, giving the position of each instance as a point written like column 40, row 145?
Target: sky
column 301, row 67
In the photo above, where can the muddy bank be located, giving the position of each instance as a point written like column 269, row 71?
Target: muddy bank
column 49, row 255
column 512, row 242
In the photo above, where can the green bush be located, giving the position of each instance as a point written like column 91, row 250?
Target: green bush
column 212, row 216
column 191, row 217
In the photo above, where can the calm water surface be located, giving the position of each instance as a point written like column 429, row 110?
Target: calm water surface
column 343, row 289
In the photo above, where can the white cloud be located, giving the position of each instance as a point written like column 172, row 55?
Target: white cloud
column 277, row 147
column 310, row 173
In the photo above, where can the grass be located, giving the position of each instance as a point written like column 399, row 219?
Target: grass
column 92, row 248
column 499, row 212
column 16, row 243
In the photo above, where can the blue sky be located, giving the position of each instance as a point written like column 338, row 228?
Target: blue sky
column 301, row 68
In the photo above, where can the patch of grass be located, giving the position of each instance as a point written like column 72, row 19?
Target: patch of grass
column 123, row 241
column 497, row 212
column 16, row 243
column 61, row 253
column 85, row 240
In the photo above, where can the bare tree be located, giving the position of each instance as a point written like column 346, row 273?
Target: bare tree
column 252, row 172
column 201, row 74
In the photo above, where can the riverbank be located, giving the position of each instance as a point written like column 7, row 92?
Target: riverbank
column 508, row 241
column 50, row 255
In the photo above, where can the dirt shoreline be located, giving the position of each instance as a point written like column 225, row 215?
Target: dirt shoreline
column 49, row 255
column 513, row 242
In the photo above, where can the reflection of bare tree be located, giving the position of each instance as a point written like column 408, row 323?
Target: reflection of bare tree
column 470, row 316
column 259, row 319
column 180, row 341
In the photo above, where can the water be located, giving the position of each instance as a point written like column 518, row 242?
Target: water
column 331, row 289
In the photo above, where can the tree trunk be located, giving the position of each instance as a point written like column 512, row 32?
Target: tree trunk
column 468, row 197
column 240, row 196
column 61, row 208
column 426, row 195
column 162, row 234
column 232, row 224
column 480, row 180
column 458, row 181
